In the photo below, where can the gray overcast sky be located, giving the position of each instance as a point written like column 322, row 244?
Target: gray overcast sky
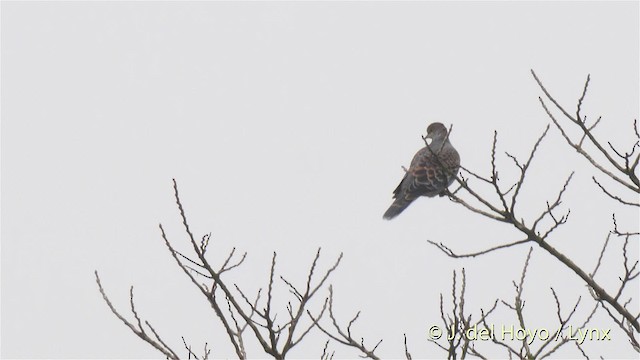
column 286, row 126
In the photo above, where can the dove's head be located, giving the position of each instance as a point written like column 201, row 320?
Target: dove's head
column 437, row 132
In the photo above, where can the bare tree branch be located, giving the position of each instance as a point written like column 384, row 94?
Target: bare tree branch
column 342, row 336
column 627, row 170
column 617, row 198
column 452, row 254
column 158, row 344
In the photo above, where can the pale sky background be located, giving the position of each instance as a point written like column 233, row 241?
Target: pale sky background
column 286, row 126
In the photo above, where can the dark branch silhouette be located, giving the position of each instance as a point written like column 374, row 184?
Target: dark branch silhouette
column 252, row 317
column 502, row 205
column 236, row 313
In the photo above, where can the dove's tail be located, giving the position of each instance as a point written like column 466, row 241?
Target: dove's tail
column 396, row 208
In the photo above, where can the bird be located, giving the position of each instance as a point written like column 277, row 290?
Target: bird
column 432, row 170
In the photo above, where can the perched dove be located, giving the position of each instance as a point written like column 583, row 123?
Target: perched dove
column 427, row 176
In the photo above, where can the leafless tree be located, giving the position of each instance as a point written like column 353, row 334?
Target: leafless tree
column 246, row 317
column 502, row 205
column 242, row 317
column 463, row 332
